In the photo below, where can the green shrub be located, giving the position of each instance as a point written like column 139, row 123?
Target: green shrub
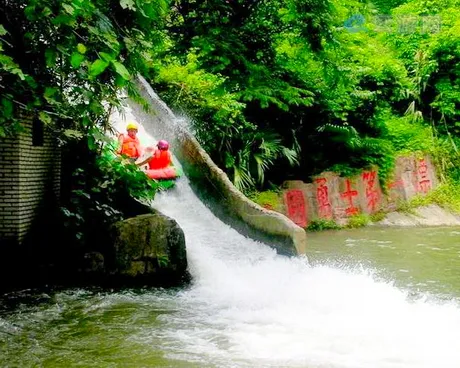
column 378, row 216
column 358, row 221
column 321, row 224
column 446, row 195
column 101, row 193
column 118, row 175
column 269, row 199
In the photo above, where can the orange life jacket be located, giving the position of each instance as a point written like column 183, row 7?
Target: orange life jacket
column 130, row 146
column 160, row 160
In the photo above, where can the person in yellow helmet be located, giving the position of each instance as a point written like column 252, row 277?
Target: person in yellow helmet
column 128, row 144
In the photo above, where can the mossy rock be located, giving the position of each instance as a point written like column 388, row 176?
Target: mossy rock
column 149, row 248
column 269, row 199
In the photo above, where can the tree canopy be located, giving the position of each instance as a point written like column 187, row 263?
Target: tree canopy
column 274, row 88
column 65, row 61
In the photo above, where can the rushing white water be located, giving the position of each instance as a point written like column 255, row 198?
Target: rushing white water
column 248, row 306
column 251, row 307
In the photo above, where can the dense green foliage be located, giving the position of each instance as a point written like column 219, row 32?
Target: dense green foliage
column 321, row 225
column 369, row 82
column 230, row 77
column 275, row 89
column 65, row 62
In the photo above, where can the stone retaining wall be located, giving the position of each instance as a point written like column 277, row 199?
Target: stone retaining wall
column 331, row 197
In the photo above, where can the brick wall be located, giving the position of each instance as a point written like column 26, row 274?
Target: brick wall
column 9, row 190
column 29, row 179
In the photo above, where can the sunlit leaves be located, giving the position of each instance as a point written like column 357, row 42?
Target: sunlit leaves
column 76, row 59
column 45, row 117
column 7, row 64
column 97, row 67
column 73, row 134
column 81, row 48
column 50, row 57
column 121, row 70
column 106, row 57
column 68, row 9
column 64, row 19
column 127, row 4
column 51, row 94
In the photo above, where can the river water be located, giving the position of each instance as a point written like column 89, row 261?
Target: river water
column 368, row 298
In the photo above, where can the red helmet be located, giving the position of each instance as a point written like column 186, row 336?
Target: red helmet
column 163, row 145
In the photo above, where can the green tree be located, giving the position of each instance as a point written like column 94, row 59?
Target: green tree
column 318, row 91
column 236, row 43
column 67, row 62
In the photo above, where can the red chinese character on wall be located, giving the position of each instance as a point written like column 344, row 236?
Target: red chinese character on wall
column 322, row 196
column 348, row 195
column 372, row 194
column 295, row 202
column 424, row 182
column 396, row 184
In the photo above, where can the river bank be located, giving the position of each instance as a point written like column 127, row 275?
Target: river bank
column 430, row 215
column 427, row 216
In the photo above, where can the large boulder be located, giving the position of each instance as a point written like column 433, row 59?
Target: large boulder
column 149, row 248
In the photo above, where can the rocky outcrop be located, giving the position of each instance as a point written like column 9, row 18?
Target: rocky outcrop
column 149, row 249
column 212, row 185
column 431, row 215
column 330, row 197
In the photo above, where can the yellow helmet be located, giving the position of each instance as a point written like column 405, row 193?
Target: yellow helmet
column 131, row 125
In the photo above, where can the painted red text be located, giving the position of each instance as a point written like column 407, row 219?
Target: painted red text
column 296, row 210
column 372, row 194
column 322, row 196
column 348, row 196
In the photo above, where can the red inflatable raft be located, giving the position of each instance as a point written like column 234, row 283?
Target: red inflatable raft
column 159, row 174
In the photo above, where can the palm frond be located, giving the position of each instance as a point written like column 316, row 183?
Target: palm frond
column 242, row 178
column 261, row 164
column 291, row 155
column 347, row 130
column 413, row 113
column 257, row 155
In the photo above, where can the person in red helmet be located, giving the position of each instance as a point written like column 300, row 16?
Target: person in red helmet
column 161, row 157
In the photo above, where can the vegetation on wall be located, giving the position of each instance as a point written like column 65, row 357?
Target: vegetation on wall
column 66, row 62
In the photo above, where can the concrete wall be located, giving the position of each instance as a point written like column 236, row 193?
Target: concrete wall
column 213, row 186
column 330, row 197
column 29, row 179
